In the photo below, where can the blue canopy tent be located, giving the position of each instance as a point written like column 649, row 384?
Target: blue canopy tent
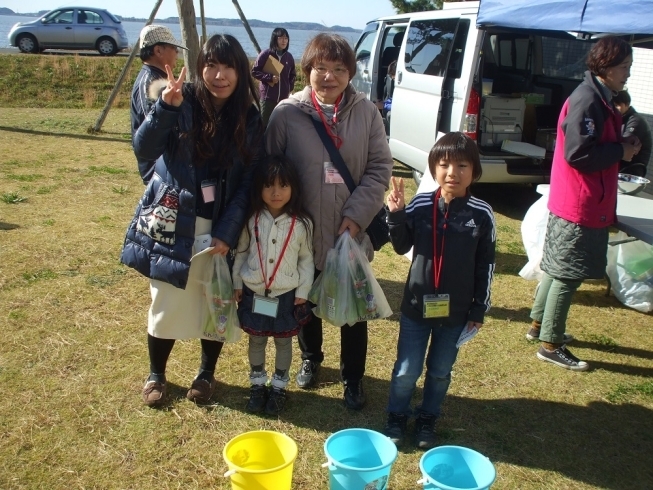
column 632, row 20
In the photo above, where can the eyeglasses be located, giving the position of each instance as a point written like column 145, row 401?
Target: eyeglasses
column 337, row 72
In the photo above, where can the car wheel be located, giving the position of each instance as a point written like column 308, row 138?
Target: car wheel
column 417, row 177
column 106, row 46
column 27, row 43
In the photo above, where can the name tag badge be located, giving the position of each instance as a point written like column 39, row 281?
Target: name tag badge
column 265, row 305
column 436, row 305
column 331, row 174
column 208, row 190
column 202, row 242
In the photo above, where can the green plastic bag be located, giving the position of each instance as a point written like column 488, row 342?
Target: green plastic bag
column 346, row 292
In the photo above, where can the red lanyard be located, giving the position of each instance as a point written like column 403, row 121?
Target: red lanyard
column 336, row 139
column 260, row 255
column 437, row 264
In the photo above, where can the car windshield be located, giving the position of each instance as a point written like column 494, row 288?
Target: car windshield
column 113, row 17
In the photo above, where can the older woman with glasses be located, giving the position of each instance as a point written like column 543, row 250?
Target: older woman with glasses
column 355, row 126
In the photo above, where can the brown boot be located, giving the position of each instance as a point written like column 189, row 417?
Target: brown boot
column 154, row 393
column 201, row 390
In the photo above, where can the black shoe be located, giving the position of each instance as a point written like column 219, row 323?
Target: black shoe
column 425, row 431
column 354, row 396
column 307, row 375
column 258, row 396
column 276, row 402
column 562, row 357
column 395, row 428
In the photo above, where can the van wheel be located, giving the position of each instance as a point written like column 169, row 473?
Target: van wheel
column 27, row 43
column 417, row 176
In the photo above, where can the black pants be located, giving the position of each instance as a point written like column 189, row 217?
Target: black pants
column 159, row 351
column 353, row 346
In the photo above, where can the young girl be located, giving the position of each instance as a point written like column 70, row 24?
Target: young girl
column 206, row 139
column 448, row 286
column 273, row 274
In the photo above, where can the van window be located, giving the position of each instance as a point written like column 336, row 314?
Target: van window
column 564, row 58
column 458, row 52
column 428, row 46
column 365, row 43
column 514, row 52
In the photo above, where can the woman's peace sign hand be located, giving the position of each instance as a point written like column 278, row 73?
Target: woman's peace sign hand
column 171, row 95
column 395, row 199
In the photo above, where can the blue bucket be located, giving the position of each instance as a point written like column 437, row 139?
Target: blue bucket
column 359, row 459
column 456, row 468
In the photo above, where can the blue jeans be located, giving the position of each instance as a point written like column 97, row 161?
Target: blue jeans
column 411, row 351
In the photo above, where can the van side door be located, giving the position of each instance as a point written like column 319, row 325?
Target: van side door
column 430, row 49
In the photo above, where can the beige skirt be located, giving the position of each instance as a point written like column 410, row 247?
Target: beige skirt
column 181, row 313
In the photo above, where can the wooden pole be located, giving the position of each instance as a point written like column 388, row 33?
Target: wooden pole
column 107, row 107
column 203, row 40
column 247, row 28
column 188, row 25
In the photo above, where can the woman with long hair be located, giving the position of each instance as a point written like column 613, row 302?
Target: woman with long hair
column 206, row 138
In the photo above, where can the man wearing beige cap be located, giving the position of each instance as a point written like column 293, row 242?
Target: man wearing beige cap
column 158, row 49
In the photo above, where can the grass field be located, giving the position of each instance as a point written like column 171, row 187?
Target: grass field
column 73, row 356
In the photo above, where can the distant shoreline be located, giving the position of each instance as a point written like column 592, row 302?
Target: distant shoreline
column 302, row 26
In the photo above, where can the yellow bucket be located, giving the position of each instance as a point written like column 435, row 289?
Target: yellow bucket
column 260, row 460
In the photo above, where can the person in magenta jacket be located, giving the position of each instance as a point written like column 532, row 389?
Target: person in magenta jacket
column 273, row 88
column 582, row 197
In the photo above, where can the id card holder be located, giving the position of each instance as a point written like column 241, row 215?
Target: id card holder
column 265, row 305
column 436, row 305
column 331, row 174
column 208, row 190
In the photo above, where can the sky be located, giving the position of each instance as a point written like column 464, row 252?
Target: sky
column 351, row 13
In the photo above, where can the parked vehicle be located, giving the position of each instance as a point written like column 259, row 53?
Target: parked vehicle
column 71, row 28
column 503, row 86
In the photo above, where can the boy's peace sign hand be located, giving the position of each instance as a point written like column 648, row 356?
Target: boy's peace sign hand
column 172, row 93
column 395, row 199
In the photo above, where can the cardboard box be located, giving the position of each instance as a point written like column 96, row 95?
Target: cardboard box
column 273, row 67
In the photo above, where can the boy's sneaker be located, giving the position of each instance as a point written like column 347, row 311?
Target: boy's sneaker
column 276, row 402
column 425, row 431
column 395, row 428
column 154, row 393
column 258, row 396
column 562, row 357
column 354, row 396
column 533, row 334
column 306, row 377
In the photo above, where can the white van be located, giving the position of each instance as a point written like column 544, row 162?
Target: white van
column 503, row 87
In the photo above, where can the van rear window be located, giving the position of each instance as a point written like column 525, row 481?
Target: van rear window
column 564, row 58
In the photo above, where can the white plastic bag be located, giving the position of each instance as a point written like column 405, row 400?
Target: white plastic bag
column 630, row 269
column 533, row 230
column 346, row 292
column 222, row 320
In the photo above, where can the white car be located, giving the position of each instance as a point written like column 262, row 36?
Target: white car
column 71, row 28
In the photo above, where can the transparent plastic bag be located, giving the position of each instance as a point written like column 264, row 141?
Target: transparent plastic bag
column 630, row 269
column 222, row 321
column 347, row 292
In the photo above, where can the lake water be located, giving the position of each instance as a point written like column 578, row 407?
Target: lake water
column 298, row 38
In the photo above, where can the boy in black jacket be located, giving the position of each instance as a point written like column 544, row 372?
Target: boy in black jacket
column 448, row 288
